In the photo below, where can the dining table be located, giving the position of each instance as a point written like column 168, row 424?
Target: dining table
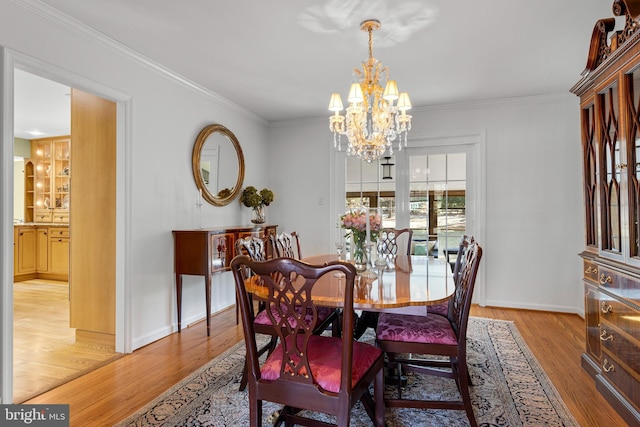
column 404, row 283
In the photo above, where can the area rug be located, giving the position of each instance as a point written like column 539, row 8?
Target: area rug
column 509, row 389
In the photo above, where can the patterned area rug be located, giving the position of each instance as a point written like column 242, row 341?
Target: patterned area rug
column 509, row 389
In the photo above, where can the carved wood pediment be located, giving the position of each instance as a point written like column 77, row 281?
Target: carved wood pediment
column 606, row 39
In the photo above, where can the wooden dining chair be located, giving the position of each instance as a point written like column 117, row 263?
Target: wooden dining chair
column 402, row 336
column 387, row 246
column 443, row 308
column 287, row 245
column 388, row 239
column 307, row 371
column 254, row 248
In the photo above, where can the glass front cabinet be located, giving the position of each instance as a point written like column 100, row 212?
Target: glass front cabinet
column 609, row 92
column 48, row 181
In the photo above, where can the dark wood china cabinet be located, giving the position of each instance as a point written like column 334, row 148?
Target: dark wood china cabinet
column 609, row 92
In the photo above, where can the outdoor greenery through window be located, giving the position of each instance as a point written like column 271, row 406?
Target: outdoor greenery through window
column 436, row 192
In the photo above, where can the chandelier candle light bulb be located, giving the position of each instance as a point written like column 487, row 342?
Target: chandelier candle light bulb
column 372, row 121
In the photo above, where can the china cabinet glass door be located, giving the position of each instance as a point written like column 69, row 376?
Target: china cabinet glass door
column 590, row 173
column 610, row 168
column 632, row 85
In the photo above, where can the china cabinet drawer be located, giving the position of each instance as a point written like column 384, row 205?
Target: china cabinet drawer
column 621, row 378
column 590, row 272
column 624, row 348
column 624, row 286
column 619, row 314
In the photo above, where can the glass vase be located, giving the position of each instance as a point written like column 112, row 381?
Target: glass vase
column 258, row 215
column 360, row 259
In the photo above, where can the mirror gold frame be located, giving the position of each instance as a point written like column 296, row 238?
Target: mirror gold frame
column 227, row 197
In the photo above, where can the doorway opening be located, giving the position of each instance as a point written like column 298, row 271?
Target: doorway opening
column 47, row 350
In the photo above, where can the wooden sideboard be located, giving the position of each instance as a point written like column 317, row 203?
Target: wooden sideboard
column 208, row 251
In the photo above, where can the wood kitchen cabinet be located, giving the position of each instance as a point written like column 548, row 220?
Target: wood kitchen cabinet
column 42, row 249
column 59, row 251
column 25, row 244
column 41, row 252
column 48, row 180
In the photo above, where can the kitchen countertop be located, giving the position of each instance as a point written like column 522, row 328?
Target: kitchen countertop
column 41, row 224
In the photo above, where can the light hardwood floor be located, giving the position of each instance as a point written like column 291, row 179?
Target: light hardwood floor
column 45, row 352
column 112, row 392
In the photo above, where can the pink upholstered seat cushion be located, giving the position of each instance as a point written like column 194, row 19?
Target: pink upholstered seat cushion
column 325, row 360
column 441, row 309
column 429, row 329
column 263, row 318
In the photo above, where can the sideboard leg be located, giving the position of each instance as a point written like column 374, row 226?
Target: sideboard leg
column 208, row 298
column 179, row 299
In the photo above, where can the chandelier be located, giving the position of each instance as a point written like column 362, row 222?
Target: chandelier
column 372, row 121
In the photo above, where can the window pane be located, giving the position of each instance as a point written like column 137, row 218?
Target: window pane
column 366, row 187
column 456, row 166
column 437, row 202
column 438, row 167
column 369, row 171
column 418, row 168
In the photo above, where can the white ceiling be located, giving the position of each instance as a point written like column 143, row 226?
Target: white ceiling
column 282, row 60
column 41, row 107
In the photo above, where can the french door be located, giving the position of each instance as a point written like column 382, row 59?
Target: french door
column 434, row 192
column 436, row 188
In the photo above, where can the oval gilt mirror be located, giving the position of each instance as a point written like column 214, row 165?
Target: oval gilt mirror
column 218, row 165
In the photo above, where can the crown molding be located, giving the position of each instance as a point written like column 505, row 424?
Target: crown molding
column 81, row 29
column 530, row 99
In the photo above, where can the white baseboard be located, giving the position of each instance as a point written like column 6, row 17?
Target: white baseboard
column 538, row 307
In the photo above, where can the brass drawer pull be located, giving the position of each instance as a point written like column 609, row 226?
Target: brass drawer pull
column 590, row 270
column 605, row 308
column 608, row 367
column 605, row 337
column 605, row 280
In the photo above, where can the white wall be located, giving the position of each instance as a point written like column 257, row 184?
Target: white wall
column 166, row 116
column 534, row 221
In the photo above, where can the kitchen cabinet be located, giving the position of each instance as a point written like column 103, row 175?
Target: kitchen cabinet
column 26, row 250
column 26, row 245
column 42, row 248
column 41, row 252
column 48, row 180
column 59, row 251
